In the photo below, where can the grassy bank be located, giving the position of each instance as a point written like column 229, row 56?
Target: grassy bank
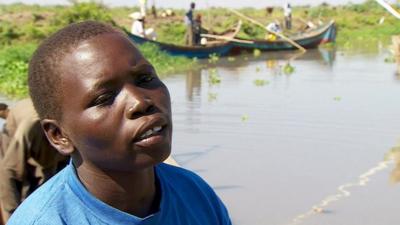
column 22, row 27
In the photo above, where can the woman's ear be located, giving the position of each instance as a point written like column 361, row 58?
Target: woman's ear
column 57, row 137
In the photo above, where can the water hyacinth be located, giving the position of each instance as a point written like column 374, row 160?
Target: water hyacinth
column 288, row 69
column 260, row 82
column 256, row 53
column 213, row 77
column 213, row 58
column 245, row 118
column 337, row 98
column 212, row 97
column 231, row 59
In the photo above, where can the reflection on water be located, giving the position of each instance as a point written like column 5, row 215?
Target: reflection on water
column 274, row 63
column 193, row 83
column 394, row 154
column 292, row 143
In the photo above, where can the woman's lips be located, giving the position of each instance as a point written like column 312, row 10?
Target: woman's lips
column 153, row 136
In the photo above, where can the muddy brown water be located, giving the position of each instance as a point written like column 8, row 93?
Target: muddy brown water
column 305, row 148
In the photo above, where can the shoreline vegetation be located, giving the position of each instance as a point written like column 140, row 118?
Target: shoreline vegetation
column 22, row 27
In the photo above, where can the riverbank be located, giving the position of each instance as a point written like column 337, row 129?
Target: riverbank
column 22, row 27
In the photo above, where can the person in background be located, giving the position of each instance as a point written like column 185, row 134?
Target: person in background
column 138, row 27
column 189, row 25
column 287, row 11
column 28, row 161
column 143, row 7
column 273, row 28
column 154, row 11
column 3, row 110
column 197, row 30
column 3, row 115
column 269, row 10
column 1, row 217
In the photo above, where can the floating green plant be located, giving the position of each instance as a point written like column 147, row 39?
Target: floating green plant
column 256, row 53
column 231, row 59
column 258, row 69
column 288, row 69
column 213, row 58
column 212, row 96
column 260, row 82
column 390, row 59
column 213, row 77
column 337, row 98
column 245, row 118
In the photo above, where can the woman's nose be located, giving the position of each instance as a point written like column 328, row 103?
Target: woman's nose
column 140, row 106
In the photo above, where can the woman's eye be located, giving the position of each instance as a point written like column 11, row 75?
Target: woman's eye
column 104, row 99
column 146, row 78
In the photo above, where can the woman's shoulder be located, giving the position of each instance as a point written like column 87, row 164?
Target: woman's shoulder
column 41, row 202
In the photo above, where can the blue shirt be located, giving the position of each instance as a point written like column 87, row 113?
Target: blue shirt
column 185, row 200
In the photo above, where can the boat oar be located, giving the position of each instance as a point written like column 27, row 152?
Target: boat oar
column 275, row 33
column 389, row 8
column 226, row 38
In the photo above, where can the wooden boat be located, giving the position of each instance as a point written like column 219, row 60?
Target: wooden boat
column 219, row 48
column 311, row 39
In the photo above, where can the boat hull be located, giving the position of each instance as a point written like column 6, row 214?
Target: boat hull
column 322, row 35
column 221, row 49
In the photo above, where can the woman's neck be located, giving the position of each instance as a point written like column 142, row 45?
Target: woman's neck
column 136, row 193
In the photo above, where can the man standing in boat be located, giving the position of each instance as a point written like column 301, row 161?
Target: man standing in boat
column 287, row 11
column 143, row 7
column 189, row 25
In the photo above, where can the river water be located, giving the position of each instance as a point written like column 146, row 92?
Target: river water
column 304, row 148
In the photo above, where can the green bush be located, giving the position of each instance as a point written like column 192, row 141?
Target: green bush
column 13, row 69
column 8, row 33
column 367, row 6
column 173, row 32
column 252, row 31
column 84, row 11
column 163, row 63
column 33, row 32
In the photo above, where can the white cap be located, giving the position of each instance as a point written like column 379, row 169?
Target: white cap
column 136, row 15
